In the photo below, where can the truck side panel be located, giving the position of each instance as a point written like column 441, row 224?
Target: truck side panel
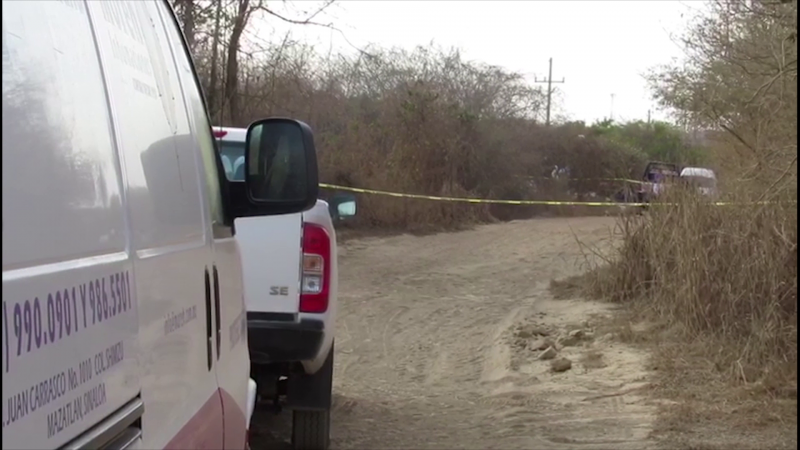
column 271, row 254
column 232, row 360
column 320, row 215
column 70, row 324
column 169, row 226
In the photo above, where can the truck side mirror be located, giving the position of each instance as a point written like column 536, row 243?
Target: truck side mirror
column 342, row 206
column 280, row 164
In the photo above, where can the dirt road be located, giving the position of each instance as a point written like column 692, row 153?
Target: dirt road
column 439, row 346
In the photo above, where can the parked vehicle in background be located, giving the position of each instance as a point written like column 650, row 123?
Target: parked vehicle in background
column 701, row 178
column 291, row 285
column 657, row 177
column 124, row 322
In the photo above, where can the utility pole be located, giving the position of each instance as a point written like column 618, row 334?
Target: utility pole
column 648, row 117
column 549, row 81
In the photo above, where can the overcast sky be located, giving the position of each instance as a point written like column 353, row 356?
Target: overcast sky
column 599, row 47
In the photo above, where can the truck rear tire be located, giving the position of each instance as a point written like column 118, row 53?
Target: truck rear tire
column 311, row 415
column 311, row 429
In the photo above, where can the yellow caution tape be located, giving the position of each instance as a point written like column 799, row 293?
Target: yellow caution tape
column 474, row 200
column 624, row 180
column 515, row 202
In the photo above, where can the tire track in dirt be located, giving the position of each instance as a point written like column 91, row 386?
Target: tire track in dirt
column 429, row 353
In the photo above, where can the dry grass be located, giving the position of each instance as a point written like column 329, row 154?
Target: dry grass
column 724, row 272
column 712, row 292
column 718, row 285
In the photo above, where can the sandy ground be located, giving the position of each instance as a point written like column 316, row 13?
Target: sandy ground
column 440, row 339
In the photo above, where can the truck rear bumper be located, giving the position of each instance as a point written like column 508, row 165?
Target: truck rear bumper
column 272, row 341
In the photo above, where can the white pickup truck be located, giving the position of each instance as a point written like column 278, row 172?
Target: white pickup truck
column 290, row 279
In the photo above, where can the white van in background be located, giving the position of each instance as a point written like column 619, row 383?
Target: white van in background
column 291, row 279
column 123, row 320
column 702, row 179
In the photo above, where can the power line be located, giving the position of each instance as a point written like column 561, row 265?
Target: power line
column 549, row 81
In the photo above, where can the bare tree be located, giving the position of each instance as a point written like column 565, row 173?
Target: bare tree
column 741, row 77
column 243, row 12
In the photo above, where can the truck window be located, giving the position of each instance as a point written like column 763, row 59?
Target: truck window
column 233, row 151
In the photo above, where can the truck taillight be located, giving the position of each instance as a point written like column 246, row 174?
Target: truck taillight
column 316, row 269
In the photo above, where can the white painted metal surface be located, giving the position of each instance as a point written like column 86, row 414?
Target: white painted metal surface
column 111, row 218
column 320, row 215
column 270, row 249
column 705, row 179
column 698, row 172
column 272, row 255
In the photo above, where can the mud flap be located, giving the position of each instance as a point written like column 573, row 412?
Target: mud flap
column 312, row 392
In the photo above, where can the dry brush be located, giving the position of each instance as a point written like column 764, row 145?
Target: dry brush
column 725, row 277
